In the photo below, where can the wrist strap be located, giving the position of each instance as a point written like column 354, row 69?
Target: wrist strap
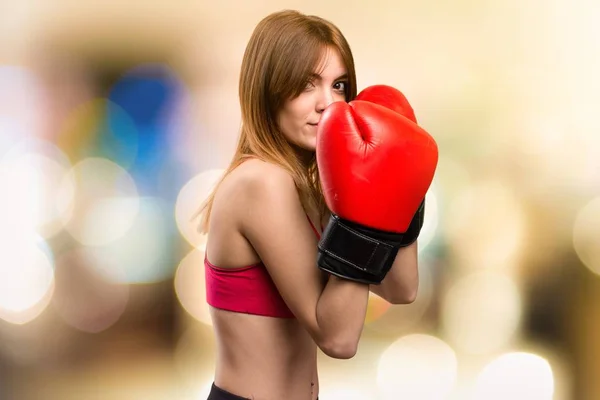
column 343, row 242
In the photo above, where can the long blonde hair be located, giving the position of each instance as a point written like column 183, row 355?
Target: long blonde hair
column 280, row 57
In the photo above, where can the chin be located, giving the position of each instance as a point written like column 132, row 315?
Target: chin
column 304, row 144
column 311, row 144
column 312, row 147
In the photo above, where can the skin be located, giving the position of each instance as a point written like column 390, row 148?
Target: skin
column 272, row 358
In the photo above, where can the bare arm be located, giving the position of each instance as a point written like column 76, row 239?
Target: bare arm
column 276, row 226
column 401, row 283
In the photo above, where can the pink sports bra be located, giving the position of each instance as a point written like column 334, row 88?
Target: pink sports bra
column 248, row 289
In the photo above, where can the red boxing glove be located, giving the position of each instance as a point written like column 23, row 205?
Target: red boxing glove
column 388, row 97
column 395, row 100
column 376, row 165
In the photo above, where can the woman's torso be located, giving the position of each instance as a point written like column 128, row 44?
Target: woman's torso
column 264, row 358
column 260, row 356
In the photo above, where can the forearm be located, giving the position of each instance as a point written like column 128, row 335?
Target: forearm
column 340, row 313
column 401, row 283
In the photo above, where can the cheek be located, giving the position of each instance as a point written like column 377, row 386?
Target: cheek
column 296, row 115
column 339, row 97
column 288, row 123
column 303, row 107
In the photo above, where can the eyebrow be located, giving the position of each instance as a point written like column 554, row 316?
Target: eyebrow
column 318, row 77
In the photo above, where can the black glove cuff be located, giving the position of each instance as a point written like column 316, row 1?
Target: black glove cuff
column 355, row 252
column 414, row 229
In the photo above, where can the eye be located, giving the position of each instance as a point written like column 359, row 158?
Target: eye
column 340, row 86
column 309, row 85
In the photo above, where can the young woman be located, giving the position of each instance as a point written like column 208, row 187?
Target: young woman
column 271, row 306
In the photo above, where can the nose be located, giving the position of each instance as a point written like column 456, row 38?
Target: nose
column 325, row 99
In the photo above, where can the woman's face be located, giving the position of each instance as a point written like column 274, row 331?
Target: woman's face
column 300, row 116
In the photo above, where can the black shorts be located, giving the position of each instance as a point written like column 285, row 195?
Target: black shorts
column 216, row 393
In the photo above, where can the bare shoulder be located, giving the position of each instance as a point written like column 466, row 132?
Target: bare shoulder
column 260, row 180
column 247, row 199
column 254, row 191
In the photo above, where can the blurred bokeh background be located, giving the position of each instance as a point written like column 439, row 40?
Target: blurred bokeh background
column 116, row 118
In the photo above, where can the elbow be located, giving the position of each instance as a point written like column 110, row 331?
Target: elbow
column 408, row 299
column 340, row 348
column 407, row 296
